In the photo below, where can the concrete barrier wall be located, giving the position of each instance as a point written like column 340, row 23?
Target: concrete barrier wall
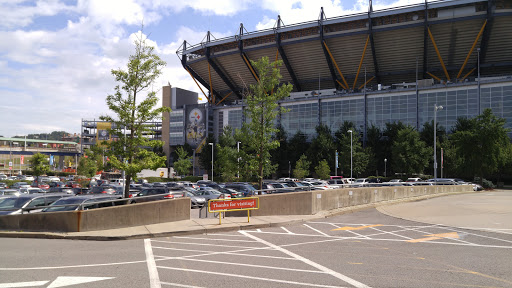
column 312, row 202
column 100, row 219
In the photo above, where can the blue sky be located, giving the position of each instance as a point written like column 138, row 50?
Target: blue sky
column 56, row 55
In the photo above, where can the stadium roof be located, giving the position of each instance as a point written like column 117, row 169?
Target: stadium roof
column 439, row 39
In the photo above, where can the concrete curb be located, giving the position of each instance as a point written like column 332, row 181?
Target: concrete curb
column 279, row 221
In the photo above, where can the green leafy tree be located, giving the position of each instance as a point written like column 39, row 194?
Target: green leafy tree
column 205, row 158
column 375, row 152
column 427, row 136
column 298, row 145
column 322, row 170
column 91, row 162
column 39, row 164
column 482, row 145
column 262, row 109
column 410, row 154
column 322, row 146
column 301, row 167
column 280, row 155
column 183, row 165
column 134, row 152
column 227, row 155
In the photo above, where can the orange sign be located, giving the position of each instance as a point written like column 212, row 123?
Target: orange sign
column 221, row 205
column 22, row 158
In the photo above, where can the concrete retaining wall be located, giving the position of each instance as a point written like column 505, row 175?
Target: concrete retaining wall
column 100, row 219
column 312, row 202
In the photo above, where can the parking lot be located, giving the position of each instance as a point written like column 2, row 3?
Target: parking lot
column 361, row 249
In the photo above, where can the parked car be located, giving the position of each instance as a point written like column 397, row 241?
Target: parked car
column 296, row 186
column 196, row 201
column 80, row 191
column 28, row 202
column 73, row 184
column 41, row 185
column 67, row 190
column 414, row 179
column 3, row 177
column 245, row 188
column 53, row 179
column 396, row 180
column 32, row 190
column 56, row 184
column 104, row 189
column 3, row 185
column 18, row 185
column 281, row 187
column 211, row 193
column 152, row 194
column 84, row 202
column 232, row 192
column 26, row 177
column 10, row 192
column 266, row 187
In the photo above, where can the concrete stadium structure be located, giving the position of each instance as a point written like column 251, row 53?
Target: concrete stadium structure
column 369, row 68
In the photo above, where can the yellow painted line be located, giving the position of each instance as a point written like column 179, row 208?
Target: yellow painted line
column 446, row 235
column 453, row 235
column 346, row 228
column 354, row 263
column 423, row 239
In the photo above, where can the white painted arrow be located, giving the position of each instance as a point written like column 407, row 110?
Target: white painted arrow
column 62, row 281
column 23, row 284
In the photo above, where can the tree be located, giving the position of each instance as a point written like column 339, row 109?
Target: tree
column 281, row 155
column 129, row 152
column 90, row 163
column 39, row 164
column 227, row 155
column 322, row 146
column 427, row 136
column 410, row 154
column 262, row 109
column 301, row 167
column 205, row 157
column 322, row 170
column 360, row 156
column 482, row 144
column 183, row 165
column 298, row 145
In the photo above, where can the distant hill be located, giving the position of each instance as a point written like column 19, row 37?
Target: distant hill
column 55, row 135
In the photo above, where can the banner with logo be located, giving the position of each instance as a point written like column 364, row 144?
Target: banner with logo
column 195, row 124
column 102, row 133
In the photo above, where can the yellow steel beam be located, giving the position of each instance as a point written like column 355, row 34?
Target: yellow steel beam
column 224, row 97
column 434, row 76
column 277, row 54
column 250, row 68
column 210, row 76
column 438, row 54
column 365, row 83
column 467, row 74
column 341, row 84
column 361, row 62
column 472, row 48
column 336, row 65
column 208, row 98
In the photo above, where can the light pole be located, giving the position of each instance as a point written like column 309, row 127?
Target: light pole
column 238, row 158
column 385, row 167
column 350, row 131
column 478, row 64
column 435, row 140
column 211, row 144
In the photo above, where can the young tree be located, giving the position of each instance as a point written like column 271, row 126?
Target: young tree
column 262, row 109
column 281, row 155
column 205, row 157
column 132, row 110
column 227, row 164
column 322, row 146
column 360, row 157
column 39, row 164
column 301, row 167
column 183, row 165
column 410, row 154
column 322, row 170
column 298, row 145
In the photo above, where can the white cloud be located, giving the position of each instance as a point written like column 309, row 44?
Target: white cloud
column 14, row 15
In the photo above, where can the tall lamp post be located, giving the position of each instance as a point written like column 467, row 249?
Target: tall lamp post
column 435, row 140
column 385, row 167
column 238, row 158
column 211, row 144
column 350, row 131
column 478, row 62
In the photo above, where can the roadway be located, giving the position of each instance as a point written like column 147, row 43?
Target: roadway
column 361, row 249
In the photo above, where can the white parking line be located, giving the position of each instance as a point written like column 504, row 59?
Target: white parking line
column 213, row 239
column 179, row 285
column 307, row 261
column 316, row 230
column 250, row 277
column 199, row 244
column 359, row 235
column 387, row 232
column 154, row 280
column 287, row 231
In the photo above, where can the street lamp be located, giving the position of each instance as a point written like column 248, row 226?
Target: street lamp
column 435, row 140
column 238, row 158
column 350, row 131
column 385, row 166
column 211, row 144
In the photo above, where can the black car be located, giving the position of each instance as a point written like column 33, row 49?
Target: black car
column 282, row 188
column 61, row 190
column 296, row 185
column 83, row 202
column 152, row 194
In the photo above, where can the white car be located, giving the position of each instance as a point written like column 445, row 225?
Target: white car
column 53, row 179
column 3, row 177
column 27, row 178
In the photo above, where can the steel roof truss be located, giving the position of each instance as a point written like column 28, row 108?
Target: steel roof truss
column 221, row 74
column 287, row 63
column 491, row 6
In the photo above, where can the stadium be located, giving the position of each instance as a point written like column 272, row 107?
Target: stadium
column 369, row 68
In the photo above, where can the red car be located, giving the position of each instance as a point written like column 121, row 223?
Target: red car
column 41, row 185
column 73, row 184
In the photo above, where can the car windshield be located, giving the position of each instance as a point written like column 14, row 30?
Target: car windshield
column 188, row 194
column 359, row 180
column 13, row 202
column 65, row 201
